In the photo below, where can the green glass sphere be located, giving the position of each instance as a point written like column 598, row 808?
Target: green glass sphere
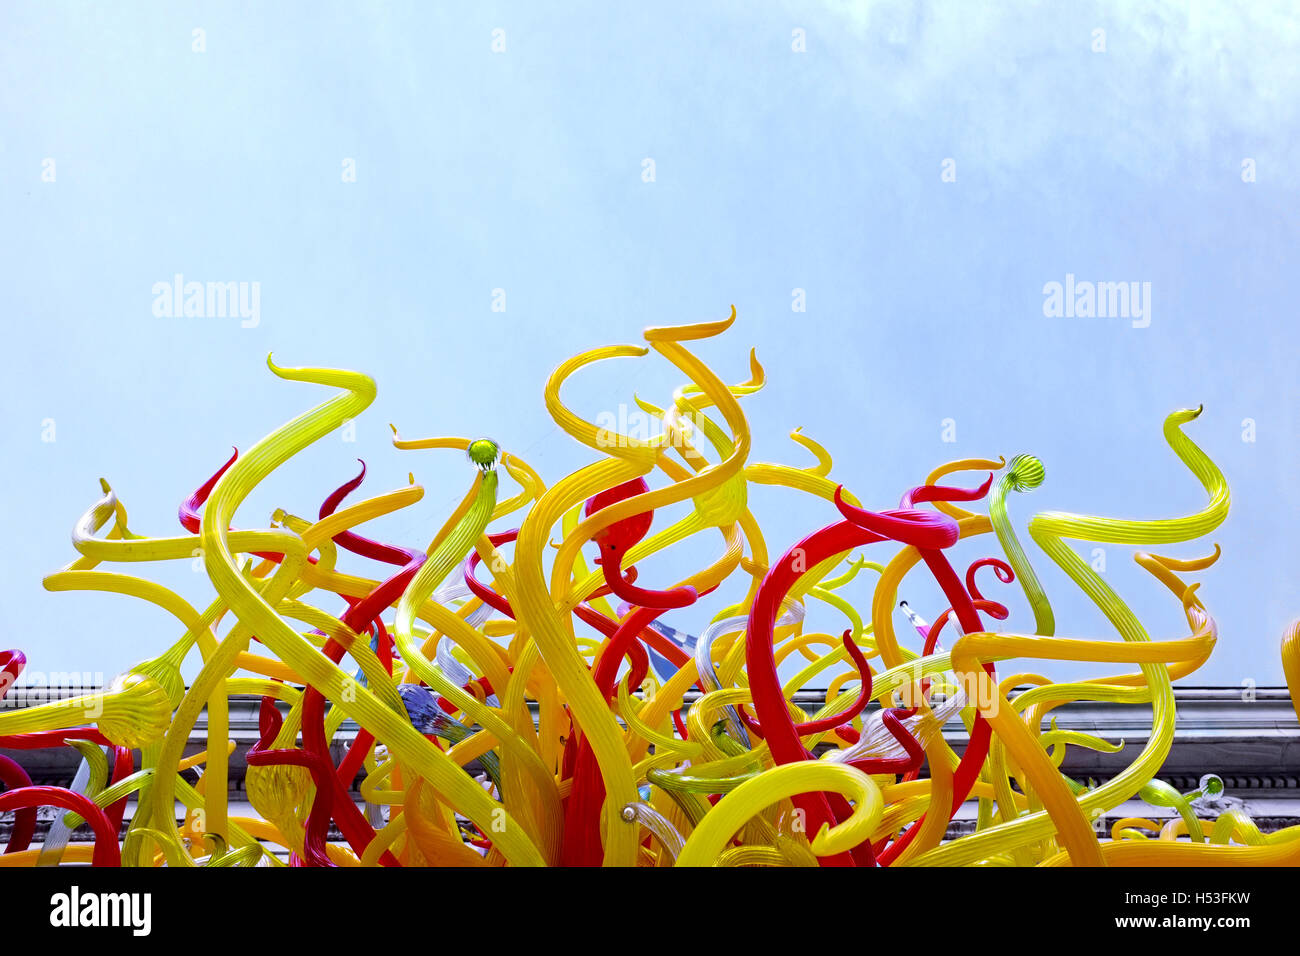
column 1026, row 472
column 483, row 452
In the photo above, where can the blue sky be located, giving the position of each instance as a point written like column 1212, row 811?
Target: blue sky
column 1163, row 154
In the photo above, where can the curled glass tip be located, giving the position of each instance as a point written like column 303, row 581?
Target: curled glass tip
column 918, row 622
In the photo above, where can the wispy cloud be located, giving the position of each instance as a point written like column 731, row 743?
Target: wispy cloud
column 1182, row 89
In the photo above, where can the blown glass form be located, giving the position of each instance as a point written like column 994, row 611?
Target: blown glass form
column 519, row 696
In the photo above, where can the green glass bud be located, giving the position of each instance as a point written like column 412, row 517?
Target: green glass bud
column 1025, row 472
column 483, row 452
